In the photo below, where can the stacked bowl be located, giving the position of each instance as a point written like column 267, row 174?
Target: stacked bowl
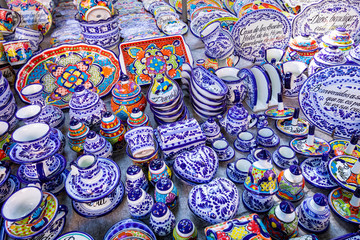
column 129, row 227
column 8, row 105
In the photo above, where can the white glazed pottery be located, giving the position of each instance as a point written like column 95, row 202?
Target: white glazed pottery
column 141, row 141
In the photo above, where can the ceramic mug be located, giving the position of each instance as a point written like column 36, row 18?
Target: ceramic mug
column 28, row 114
column 239, row 170
column 141, row 141
column 18, row 51
column 220, row 146
column 33, row 137
column 245, row 141
column 35, row 37
column 265, row 136
column 9, row 20
column 284, row 157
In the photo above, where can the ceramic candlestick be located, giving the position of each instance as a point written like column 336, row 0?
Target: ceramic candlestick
column 294, row 127
column 291, row 184
column 280, row 112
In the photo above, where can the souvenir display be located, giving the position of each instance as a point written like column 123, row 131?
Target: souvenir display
column 291, row 184
column 237, row 171
column 345, row 204
column 203, row 18
column 162, row 220
column 345, row 147
column 185, row 230
column 295, row 126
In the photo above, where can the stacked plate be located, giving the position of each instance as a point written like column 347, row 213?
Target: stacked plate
column 8, row 105
column 130, row 228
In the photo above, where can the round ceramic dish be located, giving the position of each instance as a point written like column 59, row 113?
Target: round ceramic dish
column 128, row 224
column 75, row 236
column 339, row 201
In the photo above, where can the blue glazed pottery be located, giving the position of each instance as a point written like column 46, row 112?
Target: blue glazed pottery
column 262, row 121
column 162, row 220
column 294, row 77
column 259, row 154
column 326, row 57
column 28, row 114
column 140, row 141
column 219, row 193
column 185, row 230
column 157, row 170
column 236, row 120
column 237, row 171
column 211, row 130
column 291, row 184
column 314, row 213
column 135, row 178
column 256, row 202
column 166, row 192
column 97, row 145
column 223, row 150
column 129, row 224
column 245, row 141
column 75, row 235
column 35, row 37
column 140, row 203
column 284, row 157
column 266, row 137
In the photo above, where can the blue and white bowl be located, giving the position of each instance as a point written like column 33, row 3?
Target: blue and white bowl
column 141, row 141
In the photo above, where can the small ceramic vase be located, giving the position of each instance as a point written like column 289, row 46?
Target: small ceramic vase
column 140, row 203
column 236, row 120
column 135, row 178
column 282, row 221
column 137, row 119
column 211, row 130
column 162, row 220
column 237, row 171
column 245, row 141
column 284, row 157
column 86, row 106
column 157, row 170
column 140, row 141
column 166, row 192
column 266, row 137
column 77, row 135
column 223, row 149
column 126, row 95
column 314, row 213
column 291, row 184
column 112, row 130
column 185, row 230
column 339, row 38
column 326, row 57
column 97, row 145
column 305, row 46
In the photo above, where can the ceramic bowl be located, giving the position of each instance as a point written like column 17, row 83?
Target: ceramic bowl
column 143, row 161
column 172, row 117
column 205, row 100
column 9, row 20
column 208, row 113
column 140, row 141
column 237, row 171
column 91, row 10
column 274, row 53
column 171, row 111
column 207, row 106
column 32, row 137
column 35, row 37
column 28, row 114
column 18, row 51
column 170, row 105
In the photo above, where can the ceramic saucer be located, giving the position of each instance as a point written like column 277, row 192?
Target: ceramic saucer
column 57, row 185
column 317, row 175
column 238, row 147
column 9, row 187
column 318, row 149
column 299, row 130
column 275, row 141
column 339, row 201
column 102, row 206
column 340, row 170
column 230, row 153
column 254, row 205
column 21, row 156
column 53, row 230
column 274, row 113
column 338, row 147
column 75, row 236
column 128, row 224
column 175, row 28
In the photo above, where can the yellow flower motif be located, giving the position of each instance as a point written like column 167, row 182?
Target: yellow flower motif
column 238, row 233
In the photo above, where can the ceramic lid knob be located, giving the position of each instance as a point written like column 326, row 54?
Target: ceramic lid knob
column 74, row 123
column 211, row 120
column 285, row 212
column 287, row 207
column 164, row 184
column 354, row 139
column 91, row 135
column 79, row 88
column 135, row 194
column 263, row 154
column 320, row 199
column 159, row 209
column 123, row 77
column 135, row 110
column 107, row 114
column 295, row 170
column 156, row 164
column 185, row 226
column 133, row 170
column 341, row 29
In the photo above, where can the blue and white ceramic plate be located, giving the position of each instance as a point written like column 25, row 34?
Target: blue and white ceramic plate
column 330, row 100
column 299, row 130
column 128, row 224
column 249, row 78
column 102, row 206
column 9, row 187
column 4, row 177
column 204, row 18
column 75, row 236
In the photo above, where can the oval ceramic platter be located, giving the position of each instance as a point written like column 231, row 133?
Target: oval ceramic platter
column 340, row 170
column 204, row 18
column 205, row 9
column 339, row 201
column 330, row 100
column 226, row 23
column 34, row 14
column 259, row 30
column 62, row 68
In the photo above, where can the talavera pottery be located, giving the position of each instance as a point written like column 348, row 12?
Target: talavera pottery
column 236, row 119
column 248, row 226
column 137, row 118
column 5, row 140
column 340, row 38
column 327, row 57
column 345, row 204
column 9, row 21
column 245, row 141
column 211, row 130
column 11, row 185
column 125, row 224
column 284, row 157
column 28, row 114
column 314, row 213
column 17, row 52
column 75, row 235
column 345, row 147
column 157, row 170
column 259, row 154
column 237, row 171
column 35, row 37
column 140, row 141
column 294, row 77
column 97, row 145
column 266, row 137
column 140, row 203
column 143, row 162
column 196, row 166
column 81, row 64
column 77, row 135
column 135, row 178
column 223, row 150
column 280, row 112
column 276, row 82
column 305, row 46
column 219, row 188
column 294, row 127
column 291, row 184
column 185, row 230
column 162, row 220
column 345, row 170
column 166, row 192
column 113, row 130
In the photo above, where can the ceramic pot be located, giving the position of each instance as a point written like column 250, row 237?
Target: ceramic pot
column 112, row 130
column 166, row 192
column 211, row 130
column 157, row 170
column 326, row 57
column 97, row 145
column 137, row 118
column 18, row 52
column 126, row 95
column 77, row 135
column 305, row 46
column 135, row 178
column 140, row 203
column 245, row 141
column 236, row 120
column 291, row 184
column 162, row 220
column 185, row 230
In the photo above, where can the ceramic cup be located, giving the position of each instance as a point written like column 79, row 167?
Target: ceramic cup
column 92, row 10
column 221, row 147
column 32, row 137
column 28, row 114
column 9, row 20
column 245, row 141
column 237, row 171
column 266, row 136
column 284, row 157
column 141, row 141
column 18, row 51
column 144, row 161
column 35, row 37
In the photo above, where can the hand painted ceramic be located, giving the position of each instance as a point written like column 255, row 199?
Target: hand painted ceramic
column 112, row 130
column 196, row 166
column 304, row 45
column 77, row 135
column 284, row 157
column 276, row 82
column 137, row 118
column 162, row 220
column 166, row 192
column 143, row 162
column 345, row 147
column 75, row 235
column 9, row 21
column 223, row 150
column 140, row 141
column 126, row 224
column 94, row 11
column 345, row 204
column 157, row 170
column 237, row 171
column 18, row 51
column 266, row 137
column 11, row 185
column 294, row 77
column 327, row 57
column 135, row 178
column 344, row 170
column 245, row 141
column 219, row 188
column 5, row 140
column 291, row 184
column 303, row 147
column 8, row 110
column 274, row 55
column 340, row 38
column 185, row 230
column 35, row 37
column 140, row 203
column 28, row 114
column 236, row 120
column 211, row 130
column 280, row 112
column 314, row 213
column 294, row 127
column 97, row 145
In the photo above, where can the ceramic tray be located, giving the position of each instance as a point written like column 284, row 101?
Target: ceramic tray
column 330, row 100
column 152, row 58
column 62, row 68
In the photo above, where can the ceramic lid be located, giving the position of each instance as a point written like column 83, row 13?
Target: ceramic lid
column 293, row 174
column 320, row 199
column 109, row 122
column 285, row 211
column 210, row 128
column 304, row 43
column 330, row 56
column 338, row 37
column 185, row 227
column 238, row 112
column 164, row 184
column 355, row 53
column 159, row 209
column 133, row 170
column 77, row 129
column 83, row 98
column 125, row 88
column 156, row 165
column 135, row 194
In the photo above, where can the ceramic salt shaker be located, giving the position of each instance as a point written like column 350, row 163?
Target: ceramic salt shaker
column 185, row 230
column 291, row 184
column 211, row 130
column 162, row 220
column 112, row 130
column 166, row 192
column 282, row 221
column 157, row 170
column 135, row 178
column 140, row 203
column 137, row 118
column 77, row 135
column 97, row 145
column 314, row 213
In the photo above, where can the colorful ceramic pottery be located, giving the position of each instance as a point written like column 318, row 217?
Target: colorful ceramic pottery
column 35, row 37
column 280, row 112
column 211, row 130
column 166, row 192
column 185, row 230
column 304, row 45
column 135, row 178
column 137, row 118
column 327, row 57
column 284, row 157
column 144, row 162
column 345, row 204
column 112, row 130
column 158, row 170
column 140, row 203
column 162, row 220
column 9, row 21
column 338, row 37
column 345, row 170
column 295, row 126
column 345, row 147
column 75, row 235
column 291, row 184
column 77, row 135
column 120, row 228
column 18, row 52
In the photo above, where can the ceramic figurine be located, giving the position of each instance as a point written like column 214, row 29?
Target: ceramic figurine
column 223, row 150
column 185, row 230
column 266, row 137
column 294, row 127
column 112, row 130
column 345, row 204
column 157, row 170
column 166, row 192
column 237, row 171
column 97, row 145
column 245, row 141
column 284, row 157
column 314, row 213
column 339, row 38
column 162, row 220
column 294, row 77
column 291, row 184
column 140, row 203
column 126, row 95
column 326, row 57
column 305, row 46
column 211, row 130
column 137, row 118
column 282, row 221
column 135, row 178
column 77, row 135
column 140, row 141
column 262, row 121
column 236, row 120
column 345, row 147
column 280, row 112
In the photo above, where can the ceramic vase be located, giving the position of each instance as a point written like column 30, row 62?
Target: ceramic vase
column 157, row 170
column 137, row 118
column 140, row 141
column 162, row 220
column 77, row 135
column 140, row 203
column 97, row 145
column 185, row 230
column 166, row 192
column 135, row 178
column 113, row 131
column 291, row 184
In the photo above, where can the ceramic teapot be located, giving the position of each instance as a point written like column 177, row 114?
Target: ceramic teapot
column 305, row 46
column 236, row 120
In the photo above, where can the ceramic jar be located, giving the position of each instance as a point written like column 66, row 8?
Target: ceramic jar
column 291, row 184
column 236, row 120
column 135, row 178
column 137, row 118
column 162, row 220
column 305, row 46
column 314, row 213
column 112, row 130
column 326, row 57
column 211, row 130
column 185, row 230
column 166, row 192
column 339, row 38
column 86, row 106
column 140, row 203
column 157, row 170
column 77, row 135
column 97, row 145
column 140, row 141
column 126, row 95
column 282, row 221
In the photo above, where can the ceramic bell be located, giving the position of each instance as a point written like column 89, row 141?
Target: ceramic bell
column 97, row 145
column 185, row 230
column 326, row 57
column 86, row 106
column 166, row 192
column 112, row 130
column 135, row 178
column 339, row 38
column 140, row 203
column 137, row 118
column 291, row 184
column 314, row 213
column 211, row 130
column 305, row 46
column 126, row 95
column 77, row 135
column 236, row 120
column 282, row 221
column 157, row 170
column 162, row 220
